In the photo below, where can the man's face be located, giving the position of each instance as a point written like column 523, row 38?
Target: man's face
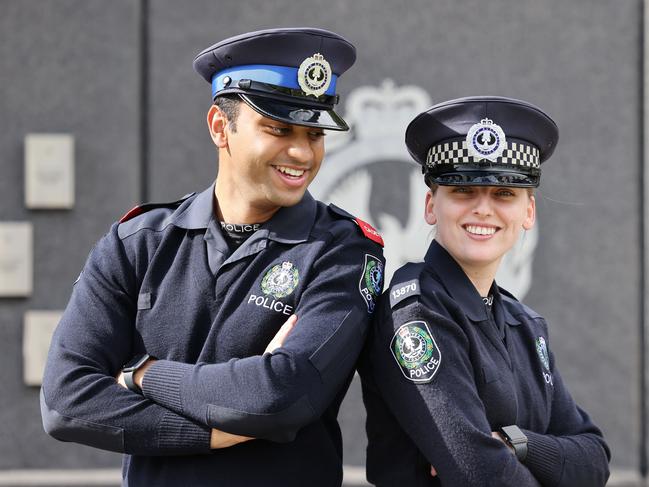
column 269, row 164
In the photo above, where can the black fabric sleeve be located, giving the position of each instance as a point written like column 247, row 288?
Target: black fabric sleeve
column 80, row 398
column 572, row 453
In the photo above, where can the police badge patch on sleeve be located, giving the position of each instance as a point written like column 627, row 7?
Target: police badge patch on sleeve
column 416, row 352
column 371, row 282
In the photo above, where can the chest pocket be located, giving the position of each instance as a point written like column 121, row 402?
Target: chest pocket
column 490, row 374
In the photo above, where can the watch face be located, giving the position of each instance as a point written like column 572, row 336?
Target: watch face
column 136, row 361
column 514, row 434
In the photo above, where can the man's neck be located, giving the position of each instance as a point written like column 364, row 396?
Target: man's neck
column 230, row 207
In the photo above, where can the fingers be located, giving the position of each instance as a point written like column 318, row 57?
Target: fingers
column 221, row 439
column 433, row 472
column 282, row 333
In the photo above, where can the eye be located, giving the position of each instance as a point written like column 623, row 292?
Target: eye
column 505, row 193
column 278, row 129
column 462, row 189
column 317, row 134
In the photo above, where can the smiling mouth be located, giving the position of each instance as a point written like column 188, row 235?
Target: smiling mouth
column 480, row 230
column 290, row 172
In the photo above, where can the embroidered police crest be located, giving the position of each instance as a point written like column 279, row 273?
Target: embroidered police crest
column 371, row 282
column 542, row 350
column 486, row 140
column 280, row 280
column 416, row 352
column 314, row 75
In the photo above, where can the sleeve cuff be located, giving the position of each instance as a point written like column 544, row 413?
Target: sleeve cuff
column 162, row 383
column 544, row 458
column 183, row 436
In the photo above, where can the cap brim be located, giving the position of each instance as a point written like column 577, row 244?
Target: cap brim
column 296, row 114
column 484, row 178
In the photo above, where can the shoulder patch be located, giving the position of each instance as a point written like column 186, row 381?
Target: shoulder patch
column 368, row 230
column 370, row 284
column 139, row 209
column 416, row 353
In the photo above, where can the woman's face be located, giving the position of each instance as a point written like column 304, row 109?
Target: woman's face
column 477, row 225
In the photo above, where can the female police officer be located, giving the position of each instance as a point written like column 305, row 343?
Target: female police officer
column 458, row 374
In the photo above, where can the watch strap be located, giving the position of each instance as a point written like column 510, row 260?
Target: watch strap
column 515, row 438
column 130, row 369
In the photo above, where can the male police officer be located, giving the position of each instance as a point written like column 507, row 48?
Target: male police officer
column 191, row 294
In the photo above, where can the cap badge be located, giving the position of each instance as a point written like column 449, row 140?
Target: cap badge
column 486, row 140
column 314, row 75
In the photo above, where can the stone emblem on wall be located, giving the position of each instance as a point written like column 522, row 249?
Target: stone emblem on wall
column 368, row 172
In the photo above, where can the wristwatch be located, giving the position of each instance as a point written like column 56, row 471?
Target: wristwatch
column 515, row 438
column 130, row 368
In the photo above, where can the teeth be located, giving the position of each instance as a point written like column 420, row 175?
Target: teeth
column 290, row 171
column 478, row 230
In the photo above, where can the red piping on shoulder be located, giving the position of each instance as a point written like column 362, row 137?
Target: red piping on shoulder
column 132, row 213
column 369, row 231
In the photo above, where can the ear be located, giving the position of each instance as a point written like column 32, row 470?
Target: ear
column 217, row 123
column 429, row 210
column 530, row 215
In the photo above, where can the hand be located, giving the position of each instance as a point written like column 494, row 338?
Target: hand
column 282, row 333
column 433, row 472
column 221, row 439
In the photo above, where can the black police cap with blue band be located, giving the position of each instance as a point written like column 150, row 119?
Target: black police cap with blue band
column 482, row 141
column 287, row 74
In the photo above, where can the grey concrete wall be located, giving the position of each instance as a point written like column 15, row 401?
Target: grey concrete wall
column 72, row 66
column 66, row 66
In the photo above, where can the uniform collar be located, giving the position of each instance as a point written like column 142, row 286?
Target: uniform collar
column 460, row 287
column 195, row 214
column 290, row 224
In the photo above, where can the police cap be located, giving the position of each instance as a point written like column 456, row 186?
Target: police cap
column 482, row 141
column 286, row 74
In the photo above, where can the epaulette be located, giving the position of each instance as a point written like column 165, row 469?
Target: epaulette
column 405, row 283
column 368, row 230
column 139, row 209
column 515, row 304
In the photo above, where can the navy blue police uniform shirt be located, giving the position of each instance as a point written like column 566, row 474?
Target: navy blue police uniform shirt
column 437, row 402
column 166, row 283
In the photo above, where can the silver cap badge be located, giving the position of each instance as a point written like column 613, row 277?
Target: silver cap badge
column 314, row 75
column 486, row 140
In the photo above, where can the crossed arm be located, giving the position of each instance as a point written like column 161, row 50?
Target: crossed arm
column 218, row 438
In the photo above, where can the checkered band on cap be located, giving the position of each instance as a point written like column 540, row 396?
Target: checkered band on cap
column 456, row 152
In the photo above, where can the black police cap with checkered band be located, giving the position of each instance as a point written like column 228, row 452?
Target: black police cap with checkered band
column 287, row 74
column 482, row 140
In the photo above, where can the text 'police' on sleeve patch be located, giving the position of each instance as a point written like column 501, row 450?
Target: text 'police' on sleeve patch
column 416, row 352
column 370, row 284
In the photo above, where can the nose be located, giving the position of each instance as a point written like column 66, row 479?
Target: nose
column 300, row 149
column 483, row 204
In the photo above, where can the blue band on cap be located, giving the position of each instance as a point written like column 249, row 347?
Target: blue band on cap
column 264, row 73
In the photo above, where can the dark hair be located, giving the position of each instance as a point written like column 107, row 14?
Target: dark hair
column 229, row 105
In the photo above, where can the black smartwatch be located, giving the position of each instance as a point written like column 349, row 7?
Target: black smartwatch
column 515, row 438
column 130, row 368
